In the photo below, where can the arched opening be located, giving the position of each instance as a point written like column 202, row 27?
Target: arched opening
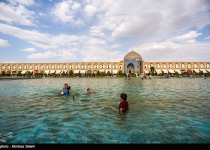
column 89, row 71
column 130, row 68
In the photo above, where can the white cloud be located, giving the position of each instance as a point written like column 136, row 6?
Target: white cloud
column 190, row 41
column 41, row 14
column 4, row 43
column 46, row 41
column 16, row 14
column 207, row 38
column 90, row 10
column 29, row 50
column 115, row 46
column 187, row 36
column 24, row 34
column 44, row 46
column 65, row 11
column 23, row 2
column 76, row 6
column 171, row 51
column 130, row 27
column 67, row 55
column 95, row 53
column 147, row 20
column 96, row 31
column 98, row 6
column 138, row 24
column 43, row 55
column 94, row 41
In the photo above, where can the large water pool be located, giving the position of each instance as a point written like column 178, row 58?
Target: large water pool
column 167, row 110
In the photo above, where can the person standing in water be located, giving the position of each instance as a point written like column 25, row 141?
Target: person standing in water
column 65, row 89
column 123, row 106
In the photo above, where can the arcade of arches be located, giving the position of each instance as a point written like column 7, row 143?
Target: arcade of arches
column 132, row 63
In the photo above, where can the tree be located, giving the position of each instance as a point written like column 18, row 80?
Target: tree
column 120, row 72
column 28, row 74
column 98, row 73
column 19, row 73
column 162, row 73
column 176, row 74
column 152, row 70
column 64, row 73
column 71, row 73
column 108, row 73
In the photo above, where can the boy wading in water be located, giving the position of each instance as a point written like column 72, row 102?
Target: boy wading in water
column 123, row 106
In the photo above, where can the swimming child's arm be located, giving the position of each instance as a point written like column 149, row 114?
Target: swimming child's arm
column 111, row 107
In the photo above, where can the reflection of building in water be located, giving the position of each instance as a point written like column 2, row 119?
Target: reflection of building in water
column 133, row 63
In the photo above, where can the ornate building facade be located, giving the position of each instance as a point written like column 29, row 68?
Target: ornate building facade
column 59, row 68
column 132, row 63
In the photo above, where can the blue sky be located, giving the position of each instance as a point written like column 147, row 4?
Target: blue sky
column 104, row 30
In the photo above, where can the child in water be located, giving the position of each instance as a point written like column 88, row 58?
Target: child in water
column 65, row 89
column 89, row 91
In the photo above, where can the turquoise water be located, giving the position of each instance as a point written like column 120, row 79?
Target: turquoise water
column 174, row 110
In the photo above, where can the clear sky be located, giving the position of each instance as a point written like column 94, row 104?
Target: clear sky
column 104, row 30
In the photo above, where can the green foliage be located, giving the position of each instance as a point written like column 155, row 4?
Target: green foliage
column 109, row 73
column 63, row 73
column 133, row 75
column 39, row 75
column 71, row 73
column 119, row 75
column 119, row 72
column 88, row 74
column 19, row 73
column 52, row 74
column 102, row 74
column 152, row 70
column 77, row 74
column 98, row 73
column 162, row 73
column 176, row 74
column 28, row 74
column 201, row 73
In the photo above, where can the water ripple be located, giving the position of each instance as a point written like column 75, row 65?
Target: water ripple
column 161, row 111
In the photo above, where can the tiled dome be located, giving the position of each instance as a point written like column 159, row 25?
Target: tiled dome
column 132, row 55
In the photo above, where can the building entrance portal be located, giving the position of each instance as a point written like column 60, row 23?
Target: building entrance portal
column 130, row 68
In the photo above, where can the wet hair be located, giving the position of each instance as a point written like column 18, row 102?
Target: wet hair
column 88, row 89
column 68, row 88
column 123, row 96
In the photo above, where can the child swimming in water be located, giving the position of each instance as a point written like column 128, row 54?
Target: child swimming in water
column 89, row 91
